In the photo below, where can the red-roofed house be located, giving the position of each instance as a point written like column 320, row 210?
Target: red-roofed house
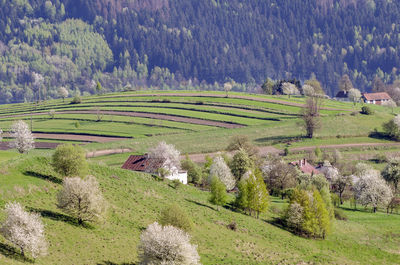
column 376, row 98
column 305, row 167
column 142, row 163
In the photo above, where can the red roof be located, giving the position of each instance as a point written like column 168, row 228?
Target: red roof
column 305, row 167
column 138, row 163
column 377, row 96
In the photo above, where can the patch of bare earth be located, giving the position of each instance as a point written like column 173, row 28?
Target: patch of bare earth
column 74, row 137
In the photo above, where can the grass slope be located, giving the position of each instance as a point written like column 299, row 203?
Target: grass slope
column 135, row 201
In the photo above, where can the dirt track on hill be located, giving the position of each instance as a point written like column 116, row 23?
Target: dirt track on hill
column 75, row 137
column 107, row 152
column 143, row 115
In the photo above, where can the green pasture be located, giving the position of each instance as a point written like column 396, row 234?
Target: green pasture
column 337, row 126
column 135, row 201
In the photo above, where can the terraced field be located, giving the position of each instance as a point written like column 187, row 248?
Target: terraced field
column 209, row 117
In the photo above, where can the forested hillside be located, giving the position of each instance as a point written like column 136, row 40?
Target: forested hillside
column 45, row 45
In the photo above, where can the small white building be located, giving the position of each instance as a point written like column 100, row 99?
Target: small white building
column 142, row 163
column 376, row 98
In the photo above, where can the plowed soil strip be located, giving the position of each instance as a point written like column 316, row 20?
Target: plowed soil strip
column 144, row 115
column 76, row 137
column 42, row 145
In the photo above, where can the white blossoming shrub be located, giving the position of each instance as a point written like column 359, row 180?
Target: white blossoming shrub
column 370, row 189
column 166, row 156
column 25, row 230
column 308, row 90
column 221, row 170
column 22, row 135
column 81, row 198
column 167, row 246
column 294, row 215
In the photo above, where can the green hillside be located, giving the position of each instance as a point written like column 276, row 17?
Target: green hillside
column 135, row 200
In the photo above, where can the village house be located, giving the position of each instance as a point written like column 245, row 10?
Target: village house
column 142, row 163
column 376, row 98
column 305, row 167
column 342, row 96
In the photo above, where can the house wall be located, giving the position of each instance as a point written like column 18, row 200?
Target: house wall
column 181, row 176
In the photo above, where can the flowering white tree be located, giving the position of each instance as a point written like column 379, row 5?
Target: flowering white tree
column 164, row 156
column 330, row 172
column 221, row 170
column 25, row 230
column 166, row 245
column 371, row 189
column 81, row 198
column 63, row 93
column 289, row 89
column 23, row 138
column 1, row 134
column 294, row 216
column 354, row 95
column 227, row 87
column 308, row 90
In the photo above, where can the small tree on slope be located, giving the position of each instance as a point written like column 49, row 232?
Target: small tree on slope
column 24, row 230
column 371, row 189
column 81, row 198
column 220, row 170
column 166, row 245
column 22, row 137
column 69, row 160
column 219, row 196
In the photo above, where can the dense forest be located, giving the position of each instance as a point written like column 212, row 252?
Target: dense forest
column 134, row 44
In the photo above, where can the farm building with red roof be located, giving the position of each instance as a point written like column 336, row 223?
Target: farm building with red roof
column 305, row 167
column 376, row 98
column 143, row 163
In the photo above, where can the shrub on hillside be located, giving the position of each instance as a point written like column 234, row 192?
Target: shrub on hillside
column 238, row 142
column 253, row 196
column 240, row 164
column 307, row 214
column 220, row 169
column 366, row 110
column 25, row 230
column 166, row 245
column 81, row 198
column 177, row 217
column 76, row 100
column 218, row 196
column 195, row 173
column 70, row 160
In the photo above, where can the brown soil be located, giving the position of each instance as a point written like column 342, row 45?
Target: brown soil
column 4, row 145
column 75, row 137
column 144, row 115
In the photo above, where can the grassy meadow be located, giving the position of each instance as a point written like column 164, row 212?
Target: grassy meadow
column 135, row 200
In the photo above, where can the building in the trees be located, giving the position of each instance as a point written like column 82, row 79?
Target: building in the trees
column 142, row 163
column 376, row 98
column 342, row 95
column 305, row 167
